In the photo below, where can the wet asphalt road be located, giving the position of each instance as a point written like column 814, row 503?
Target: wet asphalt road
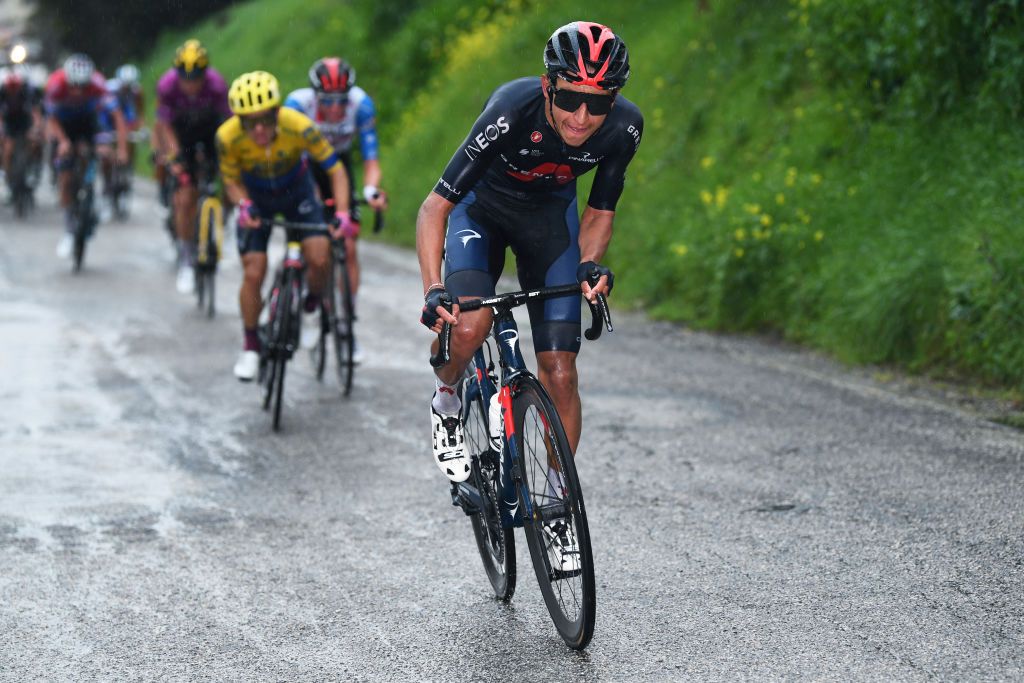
column 756, row 512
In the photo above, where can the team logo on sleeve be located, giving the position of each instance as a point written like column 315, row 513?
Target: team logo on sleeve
column 535, row 136
column 489, row 134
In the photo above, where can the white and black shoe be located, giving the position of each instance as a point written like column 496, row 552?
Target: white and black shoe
column 563, row 550
column 449, row 445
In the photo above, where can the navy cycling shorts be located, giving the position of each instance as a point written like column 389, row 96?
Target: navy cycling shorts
column 543, row 232
column 298, row 204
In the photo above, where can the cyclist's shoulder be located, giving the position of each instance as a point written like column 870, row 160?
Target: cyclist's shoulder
column 230, row 133
column 293, row 122
column 520, row 92
column 302, row 100
column 215, row 82
column 625, row 124
column 167, row 83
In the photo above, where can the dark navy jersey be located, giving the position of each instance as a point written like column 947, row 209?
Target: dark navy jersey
column 512, row 147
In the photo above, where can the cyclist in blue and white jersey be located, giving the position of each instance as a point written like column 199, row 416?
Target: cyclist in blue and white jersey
column 344, row 112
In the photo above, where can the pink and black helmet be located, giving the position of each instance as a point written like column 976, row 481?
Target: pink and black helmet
column 585, row 53
column 331, row 75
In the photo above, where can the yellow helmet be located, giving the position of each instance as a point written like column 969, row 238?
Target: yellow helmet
column 191, row 59
column 254, row 92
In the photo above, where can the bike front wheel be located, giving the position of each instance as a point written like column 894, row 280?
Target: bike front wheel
column 343, row 326
column 554, row 517
column 496, row 543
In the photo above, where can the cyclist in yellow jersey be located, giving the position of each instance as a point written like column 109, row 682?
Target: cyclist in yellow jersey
column 264, row 153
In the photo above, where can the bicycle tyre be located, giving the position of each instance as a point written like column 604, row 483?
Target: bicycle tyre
column 344, row 327
column 496, row 543
column 210, row 276
column 83, row 216
column 288, row 337
column 268, row 350
column 540, row 439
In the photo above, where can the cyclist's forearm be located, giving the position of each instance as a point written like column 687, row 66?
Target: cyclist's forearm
column 339, row 187
column 236, row 191
column 595, row 234
column 122, row 133
column 371, row 173
column 167, row 141
column 430, row 228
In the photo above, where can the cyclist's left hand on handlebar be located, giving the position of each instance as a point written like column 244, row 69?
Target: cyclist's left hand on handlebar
column 434, row 313
column 248, row 214
column 375, row 197
column 594, row 279
column 344, row 226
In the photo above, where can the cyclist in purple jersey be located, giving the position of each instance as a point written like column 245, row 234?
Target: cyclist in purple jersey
column 512, row 183
column 192, row 102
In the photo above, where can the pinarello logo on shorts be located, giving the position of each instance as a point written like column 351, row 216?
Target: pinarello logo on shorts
column 536, row 136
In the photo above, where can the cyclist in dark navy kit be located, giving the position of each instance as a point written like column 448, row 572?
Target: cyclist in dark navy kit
column 512, row 183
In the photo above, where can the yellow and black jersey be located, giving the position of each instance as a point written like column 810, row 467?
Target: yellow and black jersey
column 273, row 168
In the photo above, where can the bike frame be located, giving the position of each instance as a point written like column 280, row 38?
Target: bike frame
column 513, row 368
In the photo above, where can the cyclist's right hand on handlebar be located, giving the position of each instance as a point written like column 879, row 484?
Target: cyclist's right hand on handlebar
column 438, row 308
column 594, row 279
column 248, row 214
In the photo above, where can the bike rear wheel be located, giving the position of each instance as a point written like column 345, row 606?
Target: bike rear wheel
column 495, row 542
column 343, row 327
column 542, row 446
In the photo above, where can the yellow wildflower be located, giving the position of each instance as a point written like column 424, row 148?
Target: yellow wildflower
column 679, row 249
column 740, row 234
column 780, row 199
column 659, row 83
column 721, row 196
column 693, row 45
column 757, row 234
column 819, row 235
column 707, row 197
column 798, row 113
column 756, row 177
column 739, row 252
column 839, row 106
column 851, row 190
column 752, row 209
column 707, row 162
column 815, row 179
column 766, row 219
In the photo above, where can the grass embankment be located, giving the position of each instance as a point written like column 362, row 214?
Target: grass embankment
column 792, row 178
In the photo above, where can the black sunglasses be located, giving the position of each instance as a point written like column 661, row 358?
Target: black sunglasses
column 570, row 100
column 269, row 120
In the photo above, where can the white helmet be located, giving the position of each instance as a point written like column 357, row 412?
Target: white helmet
column 128, row 74
column 78, row 69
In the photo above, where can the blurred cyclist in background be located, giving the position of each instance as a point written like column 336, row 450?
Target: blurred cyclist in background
column 76, row 97
column 192, row 102
column 21, row 115
column 342, row 110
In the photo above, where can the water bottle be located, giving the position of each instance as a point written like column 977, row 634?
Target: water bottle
column 294, row 252
column 494, row 422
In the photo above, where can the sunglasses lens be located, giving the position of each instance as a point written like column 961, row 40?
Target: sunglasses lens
column 570, row 100
column 250, row 122
column 328, row 100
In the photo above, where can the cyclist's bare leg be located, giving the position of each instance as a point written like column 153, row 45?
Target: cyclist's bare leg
column 556, row 370
column 185, row 199
column 317, row 253
column 8, row 153
column 254, row 268
column 467, row 336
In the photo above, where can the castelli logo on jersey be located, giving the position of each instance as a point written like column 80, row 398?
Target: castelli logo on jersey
column 536, row 136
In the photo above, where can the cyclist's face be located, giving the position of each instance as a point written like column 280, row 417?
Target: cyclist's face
column 191, row 86
column 260, row 127
column 332, row 106
column 575, row 127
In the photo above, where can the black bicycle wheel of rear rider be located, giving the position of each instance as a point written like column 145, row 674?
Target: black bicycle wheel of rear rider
column 287, row 337
column 210, row 276
column 268, row 349
column 550, row 496
column 496, row 543
column 344, row 327
column 319, row 352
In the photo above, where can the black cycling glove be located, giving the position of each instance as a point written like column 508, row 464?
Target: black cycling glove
column 433, row 299
column 591, row 272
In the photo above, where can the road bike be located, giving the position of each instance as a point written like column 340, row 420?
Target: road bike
column 339, row 317
column 209, row 233
column 84, row 219
column 279, row 335
column 522, row 469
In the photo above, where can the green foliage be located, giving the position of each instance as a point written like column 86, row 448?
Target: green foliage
column 844, row 173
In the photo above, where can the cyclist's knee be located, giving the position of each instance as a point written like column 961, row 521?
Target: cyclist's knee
column 558, row 372
column 254, row 269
